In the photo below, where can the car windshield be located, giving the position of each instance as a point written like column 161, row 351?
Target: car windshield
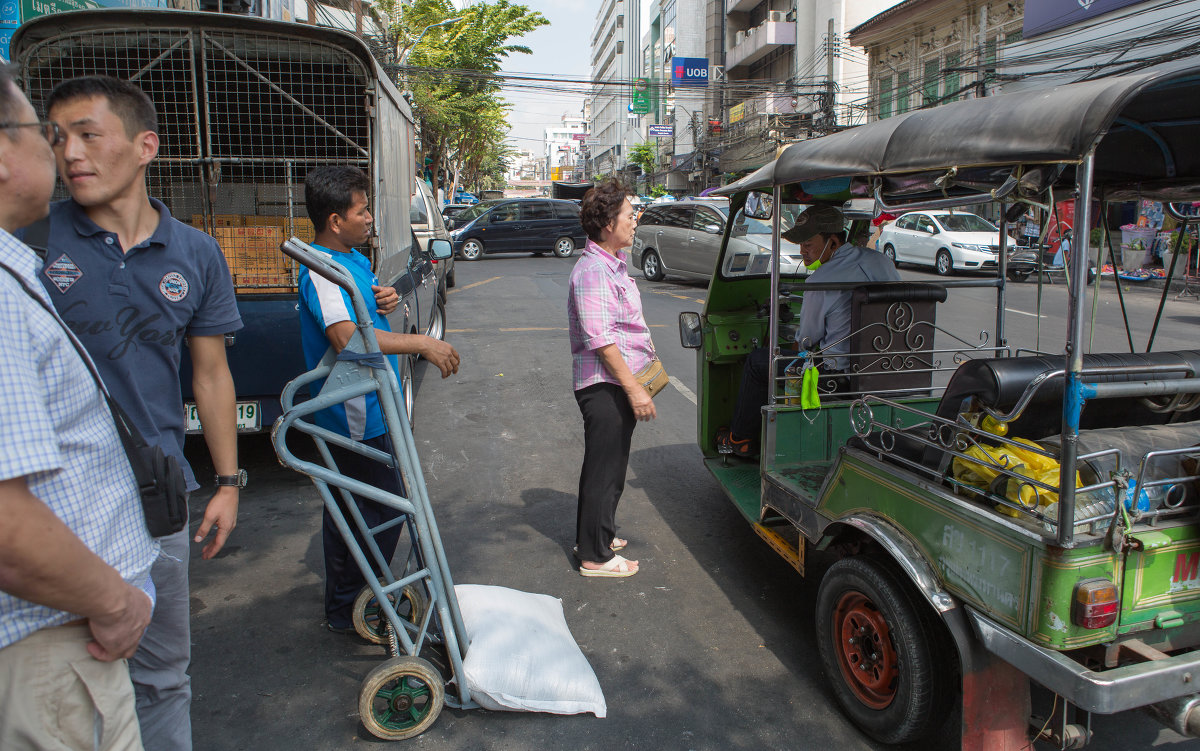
column 469, row 214
column 965, row 223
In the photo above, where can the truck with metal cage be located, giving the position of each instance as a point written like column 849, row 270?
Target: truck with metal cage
column 247, row 107
column 984, row 517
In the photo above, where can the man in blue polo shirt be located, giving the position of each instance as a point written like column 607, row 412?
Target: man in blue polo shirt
column 337, row 202
column 133, row 284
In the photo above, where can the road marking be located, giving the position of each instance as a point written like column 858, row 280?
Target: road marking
column 687, row 393
column 473, row 284
column 672, row 294
column 1020, row 312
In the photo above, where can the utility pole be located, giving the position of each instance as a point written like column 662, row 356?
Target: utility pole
column 830, row 118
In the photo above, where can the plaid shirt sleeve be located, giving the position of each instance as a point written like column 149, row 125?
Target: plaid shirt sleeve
column 595, row 301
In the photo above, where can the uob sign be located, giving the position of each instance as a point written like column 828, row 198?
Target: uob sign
column 689, row 71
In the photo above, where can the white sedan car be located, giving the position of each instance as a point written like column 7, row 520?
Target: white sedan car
column 947, row 241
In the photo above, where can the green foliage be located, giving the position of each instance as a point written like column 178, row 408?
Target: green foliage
column 645, row 155
column 462, row 119
column 657, row 190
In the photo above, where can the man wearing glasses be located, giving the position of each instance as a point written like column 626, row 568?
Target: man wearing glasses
column 75, row 556
column 134, row 284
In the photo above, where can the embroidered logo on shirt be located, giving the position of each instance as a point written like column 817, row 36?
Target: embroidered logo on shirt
column 173, row 286
column 64, row 273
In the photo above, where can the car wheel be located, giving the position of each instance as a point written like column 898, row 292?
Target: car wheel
column 652, row 266
column 437, row 327
column 890, row 252
column 408, row 365
column 564, row 247
column 883, row 651
column 472, row 249
column 944, row 262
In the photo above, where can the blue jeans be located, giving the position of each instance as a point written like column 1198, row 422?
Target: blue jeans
column 159, row 667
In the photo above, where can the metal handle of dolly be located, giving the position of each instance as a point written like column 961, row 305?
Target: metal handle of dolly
column 318, row 263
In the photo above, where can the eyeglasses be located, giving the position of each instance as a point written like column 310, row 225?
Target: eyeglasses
column 50, row 130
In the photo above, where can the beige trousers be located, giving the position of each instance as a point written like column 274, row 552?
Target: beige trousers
column 54, row 696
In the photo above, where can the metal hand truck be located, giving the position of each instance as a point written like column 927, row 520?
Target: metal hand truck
column 403, row 696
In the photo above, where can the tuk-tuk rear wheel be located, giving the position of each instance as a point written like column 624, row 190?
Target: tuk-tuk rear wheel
column 881, row 648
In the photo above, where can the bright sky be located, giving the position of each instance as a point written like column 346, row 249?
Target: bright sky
column 561, row 48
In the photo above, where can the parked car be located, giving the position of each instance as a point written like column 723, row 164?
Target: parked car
column 944, row 240
column 451, row 210
column 428, row 225
column 684, row 238
column 462, row 196
column 518, row 225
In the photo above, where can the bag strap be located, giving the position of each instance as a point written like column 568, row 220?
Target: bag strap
column 70, row 334
column 37, row 237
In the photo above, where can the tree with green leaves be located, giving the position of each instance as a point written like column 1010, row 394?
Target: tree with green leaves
column 645, row 155
column 448, row 59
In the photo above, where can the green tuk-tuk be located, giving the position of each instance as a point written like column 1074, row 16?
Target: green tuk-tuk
column 966, row 564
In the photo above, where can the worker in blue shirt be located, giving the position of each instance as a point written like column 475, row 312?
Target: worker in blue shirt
column 338, row 206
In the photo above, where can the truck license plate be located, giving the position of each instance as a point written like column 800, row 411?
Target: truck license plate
column 247, row 417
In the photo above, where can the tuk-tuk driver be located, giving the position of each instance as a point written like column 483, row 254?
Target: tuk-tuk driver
column 820, row 231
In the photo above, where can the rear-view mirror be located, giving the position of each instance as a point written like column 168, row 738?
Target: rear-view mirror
column 759, row 205
column 691, row 335
column 440, row 249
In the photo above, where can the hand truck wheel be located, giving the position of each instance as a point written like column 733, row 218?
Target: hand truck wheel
column 401, row 698
column 368, row 617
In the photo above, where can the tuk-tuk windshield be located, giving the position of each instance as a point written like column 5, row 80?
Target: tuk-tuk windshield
column 748, row 253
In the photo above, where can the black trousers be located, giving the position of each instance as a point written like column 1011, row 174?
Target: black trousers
column 608, row 423
column 343, row 578
column 756, row 384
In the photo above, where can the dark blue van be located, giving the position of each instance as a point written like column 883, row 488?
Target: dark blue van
column 518, row 225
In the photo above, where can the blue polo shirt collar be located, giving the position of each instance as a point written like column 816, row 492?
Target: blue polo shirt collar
column 84, row 225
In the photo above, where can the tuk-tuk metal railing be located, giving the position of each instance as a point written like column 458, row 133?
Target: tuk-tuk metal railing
column 1025, row 496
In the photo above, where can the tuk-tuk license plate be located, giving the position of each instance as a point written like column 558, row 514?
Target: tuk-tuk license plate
column 247, row 417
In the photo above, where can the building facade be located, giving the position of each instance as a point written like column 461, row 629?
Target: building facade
column 563, row 149
column 921, row 53
column 790, row 73
column 616, row 61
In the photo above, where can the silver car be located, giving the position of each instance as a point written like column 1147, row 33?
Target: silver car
column 683, row 239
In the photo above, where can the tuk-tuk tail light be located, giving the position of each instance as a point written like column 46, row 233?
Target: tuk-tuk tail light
column 1095, row 604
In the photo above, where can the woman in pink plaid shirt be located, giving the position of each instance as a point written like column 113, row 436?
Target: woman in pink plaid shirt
column 609, row 343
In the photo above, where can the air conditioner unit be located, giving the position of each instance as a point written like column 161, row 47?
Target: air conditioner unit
column 775, row 16
column 739, row 37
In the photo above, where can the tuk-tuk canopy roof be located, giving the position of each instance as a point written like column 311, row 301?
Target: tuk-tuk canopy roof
column 1145, row 129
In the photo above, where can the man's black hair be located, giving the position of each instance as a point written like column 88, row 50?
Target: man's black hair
column 330, row 190
column 125, row 99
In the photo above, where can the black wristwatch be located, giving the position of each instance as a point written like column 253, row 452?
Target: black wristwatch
column 237, row 481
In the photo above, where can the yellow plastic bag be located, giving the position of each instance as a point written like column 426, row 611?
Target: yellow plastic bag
column 1018, row 461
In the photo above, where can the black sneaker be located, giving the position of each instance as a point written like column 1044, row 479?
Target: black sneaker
column 343, row 630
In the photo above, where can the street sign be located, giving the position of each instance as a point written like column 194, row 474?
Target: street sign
column 579, row 136
column 661, row 131
column 642, row 97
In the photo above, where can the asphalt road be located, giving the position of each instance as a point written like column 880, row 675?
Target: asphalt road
column 710, row 646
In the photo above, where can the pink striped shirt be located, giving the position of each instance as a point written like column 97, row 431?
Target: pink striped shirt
column 604, row 307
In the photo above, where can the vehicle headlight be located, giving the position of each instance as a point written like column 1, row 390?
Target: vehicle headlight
column 968, row 246
column 455, row 233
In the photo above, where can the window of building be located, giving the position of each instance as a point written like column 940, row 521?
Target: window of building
column 952, row 76
column 1013, row 36
column 885, row 95
column 902, row 93
column 929, row 89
